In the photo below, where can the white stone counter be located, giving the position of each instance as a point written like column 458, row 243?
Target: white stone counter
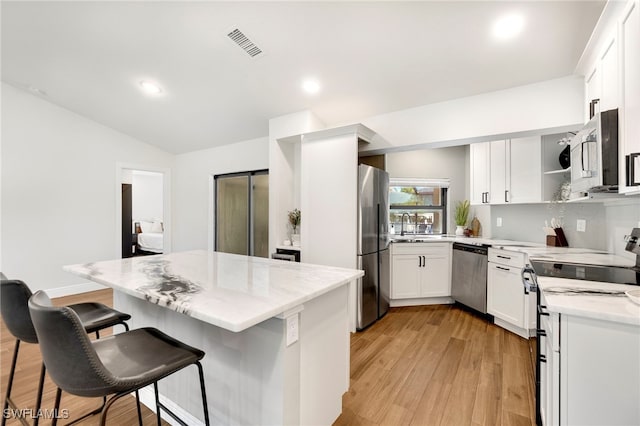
column 226, row 290
column 572, row 297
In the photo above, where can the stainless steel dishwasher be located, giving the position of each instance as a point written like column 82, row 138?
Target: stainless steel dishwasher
column 469, row 275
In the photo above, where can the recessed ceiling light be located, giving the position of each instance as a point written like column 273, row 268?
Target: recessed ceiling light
column 150, row 87
column 311, row 86
column 508, row 26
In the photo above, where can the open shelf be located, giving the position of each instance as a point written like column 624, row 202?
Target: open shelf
column 559, row 171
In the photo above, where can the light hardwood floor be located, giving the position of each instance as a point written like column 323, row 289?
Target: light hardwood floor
column 427, row 365
column 439, row 365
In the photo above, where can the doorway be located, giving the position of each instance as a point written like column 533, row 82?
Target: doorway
column 242, row 213
column 142, row 209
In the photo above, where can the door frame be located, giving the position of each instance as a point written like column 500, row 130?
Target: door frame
column 166, row 203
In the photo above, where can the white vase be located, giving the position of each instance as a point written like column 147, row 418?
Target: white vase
column 459, row 230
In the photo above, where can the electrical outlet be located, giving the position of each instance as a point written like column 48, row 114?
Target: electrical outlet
column 499, row 222
column 292, row 329
column 581, row 225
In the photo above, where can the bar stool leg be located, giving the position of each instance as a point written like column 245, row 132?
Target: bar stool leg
column 43, row 369
column 155, row 388
column 138, row 407
column 204, row 394
column 56, row 407
column 10, row 383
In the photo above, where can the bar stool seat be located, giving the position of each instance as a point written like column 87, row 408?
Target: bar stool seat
column 14, row 298
column 114, row 366
column 96, row 316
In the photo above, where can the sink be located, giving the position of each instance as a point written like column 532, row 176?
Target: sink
column 416, row 238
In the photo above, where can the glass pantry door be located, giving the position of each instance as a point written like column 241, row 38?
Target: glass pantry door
column 242, row 213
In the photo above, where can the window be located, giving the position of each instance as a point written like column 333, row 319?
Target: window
column 424, row 200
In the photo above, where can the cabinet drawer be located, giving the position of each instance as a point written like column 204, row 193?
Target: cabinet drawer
column 505, row 257
column 422, row 248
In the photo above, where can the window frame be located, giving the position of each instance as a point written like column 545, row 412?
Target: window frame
column 443, row 208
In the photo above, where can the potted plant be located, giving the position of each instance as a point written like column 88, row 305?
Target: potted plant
column 294, row 221
column 462, row 214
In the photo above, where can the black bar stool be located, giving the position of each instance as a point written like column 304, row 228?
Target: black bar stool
column 14, row 298
column 116, row 365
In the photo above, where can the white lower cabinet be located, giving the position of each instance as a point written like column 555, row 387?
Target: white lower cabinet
column 507, row 301
column 599, row 372
column 549, row 342
column 590, row 371
column 420, row 270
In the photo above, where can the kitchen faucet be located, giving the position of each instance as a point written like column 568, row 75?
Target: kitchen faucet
column 402, row 223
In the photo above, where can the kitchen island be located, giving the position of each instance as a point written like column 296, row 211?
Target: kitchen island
column 276, row 334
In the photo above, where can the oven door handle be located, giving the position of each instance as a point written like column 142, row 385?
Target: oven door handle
column 529, row 279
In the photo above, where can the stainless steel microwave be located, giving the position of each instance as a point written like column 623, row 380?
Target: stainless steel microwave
column 594, row 155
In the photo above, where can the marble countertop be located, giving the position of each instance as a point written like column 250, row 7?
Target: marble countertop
column 411, row 238
column 581, row 298
column 229, row 291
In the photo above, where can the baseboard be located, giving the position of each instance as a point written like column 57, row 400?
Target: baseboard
column 420, row 301
column 74, row 289
column 147, row 397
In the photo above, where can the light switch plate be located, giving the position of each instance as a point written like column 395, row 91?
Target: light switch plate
column 499, row 222
column 292, row 323
column 581, row 225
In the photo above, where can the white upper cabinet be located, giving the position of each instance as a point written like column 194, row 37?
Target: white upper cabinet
column 525, row 170
column 601, row 81
column 609, row 98
column 629, row 114
column 499, row 160
column 479, row 172
column 611, row 66
column 506, row 171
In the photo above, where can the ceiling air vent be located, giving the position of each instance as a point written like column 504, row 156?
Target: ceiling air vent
column 247, row 45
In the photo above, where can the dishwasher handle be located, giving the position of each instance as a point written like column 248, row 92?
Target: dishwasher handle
column 529, row 279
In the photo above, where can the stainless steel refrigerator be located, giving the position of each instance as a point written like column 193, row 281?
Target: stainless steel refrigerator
column 373, row 245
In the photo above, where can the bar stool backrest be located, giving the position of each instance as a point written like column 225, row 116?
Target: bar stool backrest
column 14, row 298
column 67, row 352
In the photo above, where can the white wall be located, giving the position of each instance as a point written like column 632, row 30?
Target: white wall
column 59, row 188
column 514, row 112
column 193, row 188
column 434, row 164
column 147, row 195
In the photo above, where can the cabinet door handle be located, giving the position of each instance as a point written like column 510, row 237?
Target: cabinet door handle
column 540, row 312
column 543, row 358
column 502, row 268
column 506, row 196
column 541, row 332
column 503, row 257
column 424, row 262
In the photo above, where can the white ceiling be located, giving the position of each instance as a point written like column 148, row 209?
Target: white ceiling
column 371, row 58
